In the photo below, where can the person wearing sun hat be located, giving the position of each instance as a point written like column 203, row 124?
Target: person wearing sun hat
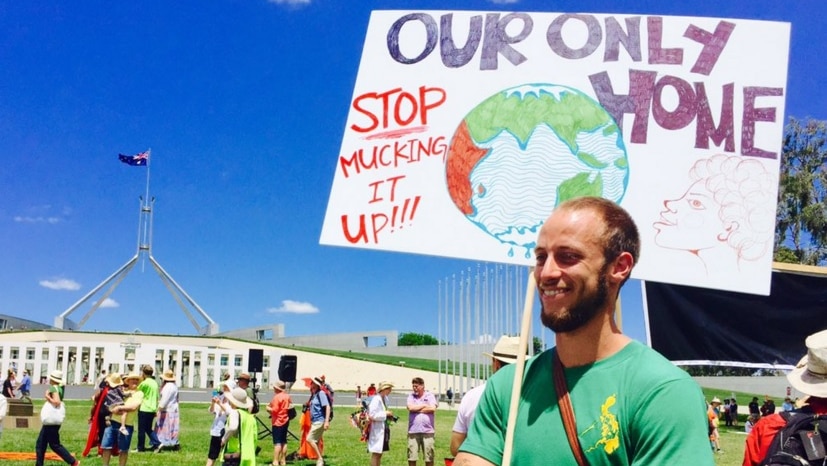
column 278, row 408
column 320, row 411
column 810, row 378
column 505, row 352
column 50, row 434
column 99, row 414
column 241, row 433
column 168, row 424
column 113, row 435
column 115, row 396
column 378, row 414
column 713, row 414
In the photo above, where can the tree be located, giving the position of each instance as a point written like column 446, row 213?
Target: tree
column 801, row 218
column 537, row 345
column 416, row 339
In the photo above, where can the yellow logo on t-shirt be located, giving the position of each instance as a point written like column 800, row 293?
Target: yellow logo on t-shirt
column 609, row 430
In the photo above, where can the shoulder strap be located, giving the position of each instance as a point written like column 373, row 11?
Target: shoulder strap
column 566, row 411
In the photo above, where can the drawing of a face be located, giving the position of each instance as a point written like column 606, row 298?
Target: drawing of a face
column 690, row 222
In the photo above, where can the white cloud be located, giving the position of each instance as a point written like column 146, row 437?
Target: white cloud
column 24, row 219
column 109, row 302
column 60, row 284
column 290, row 2
column 294, row 307
column 43, row 214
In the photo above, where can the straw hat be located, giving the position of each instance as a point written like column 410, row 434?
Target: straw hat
column 506, row 349
column 384, row 385
column 56, row 376
column 114, row 380
column 238, row 398
column 715, row 400
column 243, row 376
column 131, row 376
column 168, row 376
column 280, row 386
column 810, row 374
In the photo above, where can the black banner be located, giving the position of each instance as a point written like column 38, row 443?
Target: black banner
column 711, row 326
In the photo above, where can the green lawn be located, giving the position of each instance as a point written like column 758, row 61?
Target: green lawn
column 342, row 440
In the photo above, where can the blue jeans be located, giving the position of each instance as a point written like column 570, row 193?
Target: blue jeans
column 50, row 435
column 145, row 429
column 112, row 437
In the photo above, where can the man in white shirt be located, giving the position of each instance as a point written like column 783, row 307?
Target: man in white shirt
column 505, row 352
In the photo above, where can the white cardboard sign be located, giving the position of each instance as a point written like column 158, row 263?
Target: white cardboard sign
column 467, row 128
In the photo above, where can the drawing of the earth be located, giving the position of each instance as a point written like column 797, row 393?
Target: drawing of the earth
column 526, row 149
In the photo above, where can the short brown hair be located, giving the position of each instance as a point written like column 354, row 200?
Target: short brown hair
column 147, row 370
column 418, row 381
column 620, row 233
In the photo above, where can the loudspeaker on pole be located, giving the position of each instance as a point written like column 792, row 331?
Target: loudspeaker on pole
column 287, row 368
column 255, row 361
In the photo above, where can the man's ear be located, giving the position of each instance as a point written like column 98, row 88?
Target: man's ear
column 622, row 267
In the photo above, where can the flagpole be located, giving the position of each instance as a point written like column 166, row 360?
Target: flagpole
column 146, row 215
column 148, row 165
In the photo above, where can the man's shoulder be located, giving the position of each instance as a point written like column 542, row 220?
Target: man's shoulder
column 538, row 362
column 147, row 383
column 134, row 398
column 656, row 365
column 472, row 397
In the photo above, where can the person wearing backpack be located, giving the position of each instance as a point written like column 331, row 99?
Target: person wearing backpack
column 320, row 411
column 777, row 438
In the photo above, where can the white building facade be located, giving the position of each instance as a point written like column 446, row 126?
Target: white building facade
column 198, row 362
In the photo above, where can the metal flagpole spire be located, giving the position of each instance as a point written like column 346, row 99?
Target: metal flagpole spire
column 144, row 248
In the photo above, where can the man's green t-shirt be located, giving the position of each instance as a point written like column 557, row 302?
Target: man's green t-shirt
column 149, row 387
column 632, row 408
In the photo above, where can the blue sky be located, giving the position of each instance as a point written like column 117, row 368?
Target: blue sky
column 243, row 104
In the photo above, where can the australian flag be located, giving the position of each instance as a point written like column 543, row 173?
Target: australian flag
column 136, row 160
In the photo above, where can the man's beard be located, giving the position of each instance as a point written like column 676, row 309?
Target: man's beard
column 582, row 312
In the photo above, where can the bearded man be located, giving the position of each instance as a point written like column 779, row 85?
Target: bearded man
column 630, row 404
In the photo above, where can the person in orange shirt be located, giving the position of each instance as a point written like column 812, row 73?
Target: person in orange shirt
column 810, row 378
column 277, row 408
column 714, row 415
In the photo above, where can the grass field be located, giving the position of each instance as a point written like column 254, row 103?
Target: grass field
column 343, row 447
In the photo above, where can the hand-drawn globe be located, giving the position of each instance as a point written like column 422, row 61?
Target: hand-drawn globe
column 526, row 149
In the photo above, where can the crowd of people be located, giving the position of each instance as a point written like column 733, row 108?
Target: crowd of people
column 585, row 252
column 120, row 403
